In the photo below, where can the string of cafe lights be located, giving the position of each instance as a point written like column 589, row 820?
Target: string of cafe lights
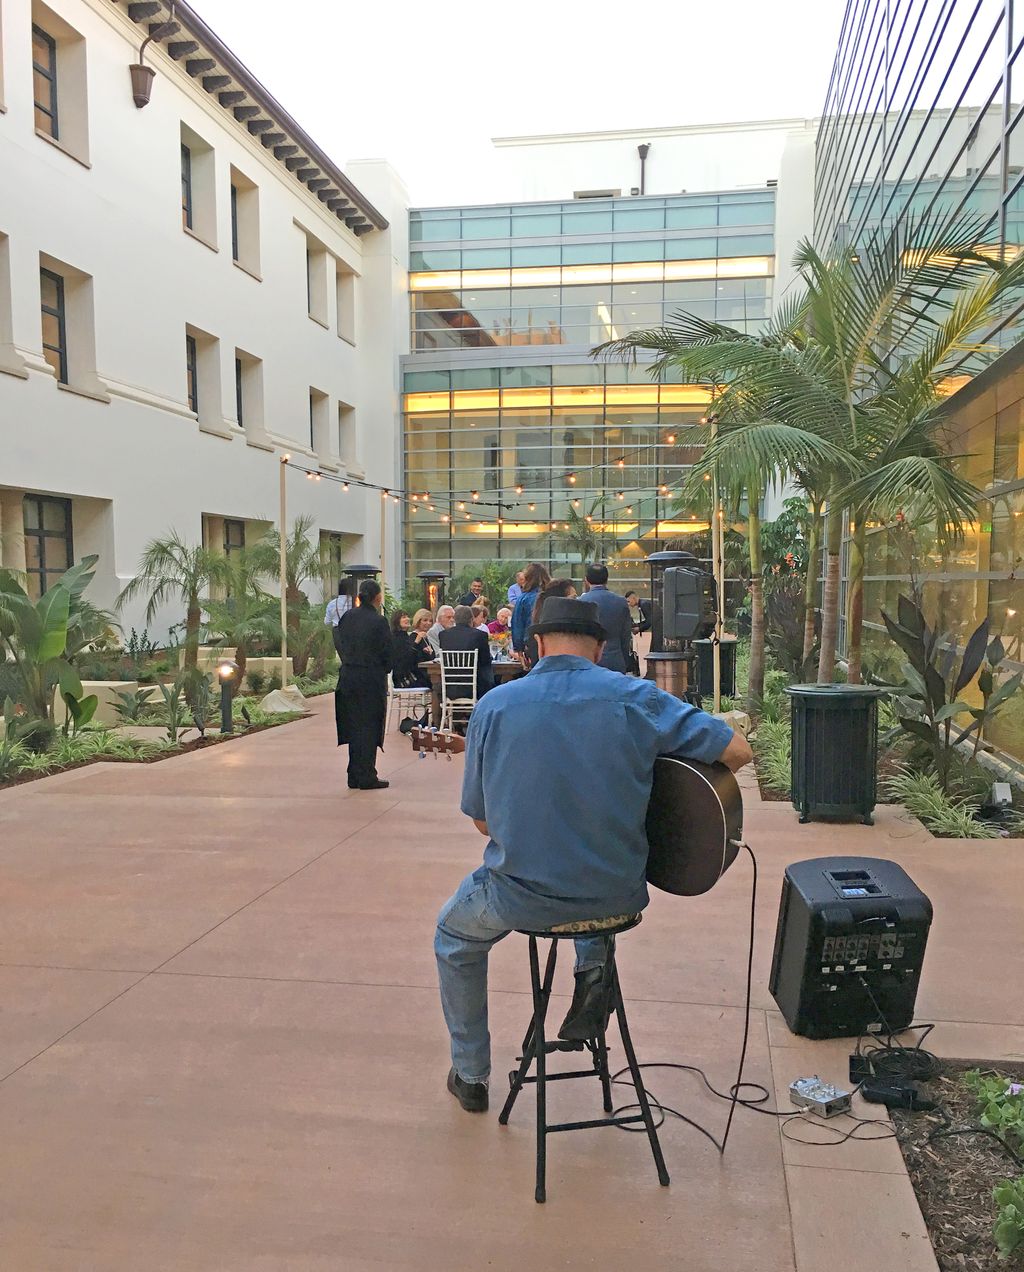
column 458, row 507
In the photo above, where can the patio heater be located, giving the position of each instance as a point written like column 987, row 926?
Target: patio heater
column 433, row 588
column 683, row 605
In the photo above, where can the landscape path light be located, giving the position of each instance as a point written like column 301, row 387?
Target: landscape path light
column 227, row 673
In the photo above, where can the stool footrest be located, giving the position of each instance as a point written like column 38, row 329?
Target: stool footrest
column 595, row 1122
column 558, row 1077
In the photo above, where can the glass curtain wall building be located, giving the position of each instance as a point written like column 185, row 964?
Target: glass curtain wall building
column 518, row 444
column 924, row 118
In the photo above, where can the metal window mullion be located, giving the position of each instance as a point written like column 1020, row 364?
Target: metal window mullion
column 953, row 115
column 934, row 42
column 845, row 159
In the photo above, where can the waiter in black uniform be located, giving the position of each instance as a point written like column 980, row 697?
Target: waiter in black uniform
column 363, row 641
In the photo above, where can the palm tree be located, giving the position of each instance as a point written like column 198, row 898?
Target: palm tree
column 303, row 563
column 842, row 391
column 170, row 568
column 245, row 614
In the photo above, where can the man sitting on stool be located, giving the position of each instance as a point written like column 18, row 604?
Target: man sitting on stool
column 559, row 769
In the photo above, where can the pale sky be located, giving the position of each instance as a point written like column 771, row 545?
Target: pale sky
column 427, row 85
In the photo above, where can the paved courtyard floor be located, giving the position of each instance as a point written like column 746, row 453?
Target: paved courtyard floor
column 221, row 1045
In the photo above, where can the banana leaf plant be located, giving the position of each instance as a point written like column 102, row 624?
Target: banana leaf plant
column 35, row 636
column 935, row 678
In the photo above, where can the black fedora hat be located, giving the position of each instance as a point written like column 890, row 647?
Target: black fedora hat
column 570, row 616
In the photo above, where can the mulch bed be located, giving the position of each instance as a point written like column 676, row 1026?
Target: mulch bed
column 887, row 765
column 954, row 1176
column 195, row 744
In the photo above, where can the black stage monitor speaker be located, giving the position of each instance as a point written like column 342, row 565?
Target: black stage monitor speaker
column 849, row 947
column 690, row 603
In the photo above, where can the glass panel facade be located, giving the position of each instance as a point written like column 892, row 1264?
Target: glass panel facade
column 555, row 445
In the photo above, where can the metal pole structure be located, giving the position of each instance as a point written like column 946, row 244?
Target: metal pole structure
column 717, row 564
column 383, row 536
column 283, row 580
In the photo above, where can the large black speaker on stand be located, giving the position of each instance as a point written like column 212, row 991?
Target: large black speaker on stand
column 849, row 946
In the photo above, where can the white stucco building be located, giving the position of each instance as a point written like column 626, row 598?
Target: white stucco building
column 187, row 292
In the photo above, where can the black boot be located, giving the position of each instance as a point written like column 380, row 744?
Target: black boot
column 471, row 1095
column 590, row 1009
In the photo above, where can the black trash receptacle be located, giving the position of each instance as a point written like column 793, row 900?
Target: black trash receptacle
column 835, row 750
column 706, row 667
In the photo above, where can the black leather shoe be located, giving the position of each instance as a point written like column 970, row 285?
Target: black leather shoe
column 378, row 785
column 471, row 1095
column 590, row 1008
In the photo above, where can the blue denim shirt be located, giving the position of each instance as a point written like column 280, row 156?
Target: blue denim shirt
column 522, row 617
column 560, row 765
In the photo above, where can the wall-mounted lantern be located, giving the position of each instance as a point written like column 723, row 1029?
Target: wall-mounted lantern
column 142, row 75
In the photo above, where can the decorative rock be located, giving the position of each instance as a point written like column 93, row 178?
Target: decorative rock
column 287, row 699
column 738, row 720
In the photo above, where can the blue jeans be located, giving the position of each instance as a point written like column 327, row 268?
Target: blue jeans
column 484, row 909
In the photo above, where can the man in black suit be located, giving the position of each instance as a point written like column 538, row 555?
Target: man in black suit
column 363, row 641
column 476, row 589
column 613, row 614
column 463, row 635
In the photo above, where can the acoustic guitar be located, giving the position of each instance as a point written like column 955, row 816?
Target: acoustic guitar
column 436, row 741
column 694, row 825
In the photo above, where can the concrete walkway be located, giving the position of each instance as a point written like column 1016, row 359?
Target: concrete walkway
column 221, row 1046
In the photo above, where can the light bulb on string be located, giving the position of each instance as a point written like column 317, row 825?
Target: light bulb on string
column 461, row 507
column 475, row 494
column 575, row 503
column 620, row 494
column 532, row 507
column 588, row 517
column 663, row 490
column 571, row 479
column 444, row 517
column 519, row 490
column 620, row 463
column 671, row 439
column 344, row 486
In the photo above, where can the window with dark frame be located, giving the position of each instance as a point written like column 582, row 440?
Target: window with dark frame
column 192, row 373
column 186, row 187
column 312, row 421
column 309, row 281
column 234, row 536
column 54, row 320
column 44, row 79
column 238, row 392
column 234, row 222
column 49, row 550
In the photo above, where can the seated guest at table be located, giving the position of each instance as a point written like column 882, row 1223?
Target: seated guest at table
column 535, row 580
column 445, row 618
column 480, row 616
column 406, row 672
column 500, row 624
column 557, row 587
column 463, row 635
column 581, row 743
column 422, row 621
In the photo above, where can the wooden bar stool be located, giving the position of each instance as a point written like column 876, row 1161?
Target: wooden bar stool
column 536, row 1047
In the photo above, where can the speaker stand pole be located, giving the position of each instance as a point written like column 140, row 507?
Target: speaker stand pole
column 717, row 563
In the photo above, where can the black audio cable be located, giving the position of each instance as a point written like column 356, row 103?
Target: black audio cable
column 759, row 1094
